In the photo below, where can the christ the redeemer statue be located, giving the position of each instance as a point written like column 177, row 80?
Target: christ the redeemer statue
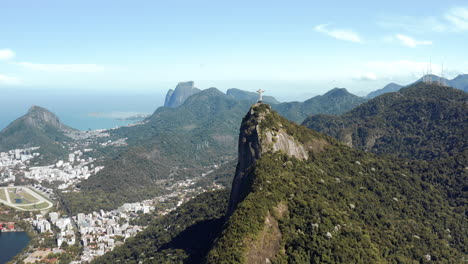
column 260, row 95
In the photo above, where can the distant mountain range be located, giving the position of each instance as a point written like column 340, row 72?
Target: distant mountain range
column 38, row 127
column 201, row 131
column 419, row 122
column 249, row 96
column 334, row 102
column 389, row 88
column 460, row 82
column 184, row 90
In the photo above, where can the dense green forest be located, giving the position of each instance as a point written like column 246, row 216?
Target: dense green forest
column 419, row 122
column 334, row 102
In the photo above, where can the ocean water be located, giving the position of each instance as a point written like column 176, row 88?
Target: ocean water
column 11, row 243
column 80, row 110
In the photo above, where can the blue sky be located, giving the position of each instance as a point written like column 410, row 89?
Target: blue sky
column 292, row 49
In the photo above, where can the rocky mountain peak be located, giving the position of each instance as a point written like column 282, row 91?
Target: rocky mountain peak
column 37, row 116
column 177, row 97
column 263, row 130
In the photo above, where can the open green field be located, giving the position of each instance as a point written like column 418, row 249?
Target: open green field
column 27, row 196
column 2, row 194
column 14, row 196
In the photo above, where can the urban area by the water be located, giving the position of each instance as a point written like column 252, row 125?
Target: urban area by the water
column 37, row 190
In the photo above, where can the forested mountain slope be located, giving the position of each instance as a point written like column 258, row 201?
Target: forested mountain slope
column 418, row 122
column 37, row 128
column 334, row 102
column 301, row 197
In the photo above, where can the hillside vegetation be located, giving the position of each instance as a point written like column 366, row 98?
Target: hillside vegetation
column 334, row 102
column 202, row 131
column 341, row 205
column 37, row 128
column 173, row 144
column 418, row 122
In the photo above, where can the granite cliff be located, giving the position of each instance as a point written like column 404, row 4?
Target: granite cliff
column 177, row 97
column 255, row 138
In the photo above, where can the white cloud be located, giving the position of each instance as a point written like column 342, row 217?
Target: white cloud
column 5, row 79
column 341, row 34
column 411, row 42
column 77, row 68
column 6, row 54
column 458, row 17
column 368, row 76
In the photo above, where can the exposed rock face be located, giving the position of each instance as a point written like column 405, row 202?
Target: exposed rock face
column 286, row 143
column 168, row 97
column 252, row 143
column 38, row 116
column 249, row 151
column 183, row 91
column 268, row 244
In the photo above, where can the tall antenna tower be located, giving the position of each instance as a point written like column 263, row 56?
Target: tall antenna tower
column 430, row 71
column 442, row 80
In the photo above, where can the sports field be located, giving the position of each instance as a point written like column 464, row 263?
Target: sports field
column 24, row 198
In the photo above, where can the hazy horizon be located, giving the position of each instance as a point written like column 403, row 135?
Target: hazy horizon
column 148, row 46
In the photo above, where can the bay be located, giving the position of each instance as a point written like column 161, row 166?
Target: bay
column 80, row 110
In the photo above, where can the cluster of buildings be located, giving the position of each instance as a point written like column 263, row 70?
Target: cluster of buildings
column 90, row 134
column 7, row 227
column 116, row 143
column 102, row 231
column 69, row 172
column 13, row 161
column 98, row 232
column 41, row 224
column 44, row 190
column 65, row 233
